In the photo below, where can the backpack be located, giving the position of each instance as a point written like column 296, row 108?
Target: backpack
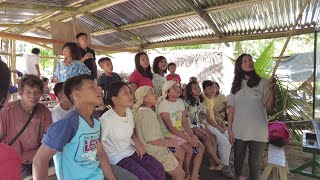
column 278, row 133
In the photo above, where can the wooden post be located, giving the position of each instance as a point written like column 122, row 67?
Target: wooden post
column 13, row 64
column 289, row 37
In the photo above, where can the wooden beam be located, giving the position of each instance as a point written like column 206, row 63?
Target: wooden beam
column 180, row 15
column 41, row 57
column 110, row 24
column 204, row 16
column 36, row 7
column 45, row 15
column 230, row 38
column 95, row 6
column 53, row 41
column 15, row 25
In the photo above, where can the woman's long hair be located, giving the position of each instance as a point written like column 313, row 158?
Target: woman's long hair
column 5, row 75
column 155, row 66
column 190, row 99
column 144, row 72
column 239, row 75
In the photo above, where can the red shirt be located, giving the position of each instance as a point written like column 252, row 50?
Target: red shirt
column 175, row 77
column 140, row 80
column 10, row 163
column 13, row 118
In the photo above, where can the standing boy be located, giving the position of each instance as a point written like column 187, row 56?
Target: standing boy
column 64, row 107
column 75, row 139
column 216, row 127
column 87, row 55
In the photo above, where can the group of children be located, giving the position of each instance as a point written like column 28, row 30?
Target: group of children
column 145, row 131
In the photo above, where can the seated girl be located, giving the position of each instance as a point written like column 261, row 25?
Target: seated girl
column 174, row 124
column 149, row 133
column 196, row 114
column 119, row 139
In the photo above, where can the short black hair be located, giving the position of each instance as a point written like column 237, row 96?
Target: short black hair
column 58, row 88
column 44, row 79
column 103, row 59
column 35, row 51
column 206, row 83
column 81, row 34
column 32, row 81
column 74, row 83
column 171, row 64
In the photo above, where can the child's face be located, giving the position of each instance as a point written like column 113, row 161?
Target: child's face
column 209, row 91
column 174, row 91
column 216, row 88
column 63, row 98
column 83, row 40
column 162, row 64
column 172, row 69
column 151, row 98
column 195, row 90
column 89, row 93
column 124, row 97
column 144, row 61
column 46, row 90
column 107, row 66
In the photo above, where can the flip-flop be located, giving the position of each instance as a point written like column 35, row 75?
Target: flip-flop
column 187, row 177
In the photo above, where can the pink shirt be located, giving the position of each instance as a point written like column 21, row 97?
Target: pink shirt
column 175, row 77
column 10, row 163
column 140, row 80
column 12, row 120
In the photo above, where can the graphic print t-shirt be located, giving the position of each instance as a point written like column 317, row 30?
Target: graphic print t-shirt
column 76, row 145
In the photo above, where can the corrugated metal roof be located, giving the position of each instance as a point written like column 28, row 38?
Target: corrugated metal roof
column 260, row 17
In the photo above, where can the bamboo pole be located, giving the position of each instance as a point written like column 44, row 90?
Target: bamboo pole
column 289, row 37
column 54, row 41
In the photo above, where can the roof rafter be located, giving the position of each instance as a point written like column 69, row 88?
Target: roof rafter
column 110, row 24
column 58, row 42
column 184, row 15
column 204, row 16
column 231, row 38
column 36, row 7
column 95, row 6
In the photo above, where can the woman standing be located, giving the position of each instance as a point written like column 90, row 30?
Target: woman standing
column 71, row 66
column 250, row 97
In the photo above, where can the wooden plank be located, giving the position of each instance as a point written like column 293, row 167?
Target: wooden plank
column 53, row 41
column 230, row 38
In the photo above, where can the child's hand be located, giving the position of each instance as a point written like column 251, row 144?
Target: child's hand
column 139, row 148
column 193, row 142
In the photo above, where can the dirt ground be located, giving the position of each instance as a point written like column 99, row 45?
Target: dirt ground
column 294, row 155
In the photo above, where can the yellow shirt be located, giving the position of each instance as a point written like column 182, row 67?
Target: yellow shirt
column 209, row 102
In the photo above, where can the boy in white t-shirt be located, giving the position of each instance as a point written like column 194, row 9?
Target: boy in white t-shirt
column 64, row 107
